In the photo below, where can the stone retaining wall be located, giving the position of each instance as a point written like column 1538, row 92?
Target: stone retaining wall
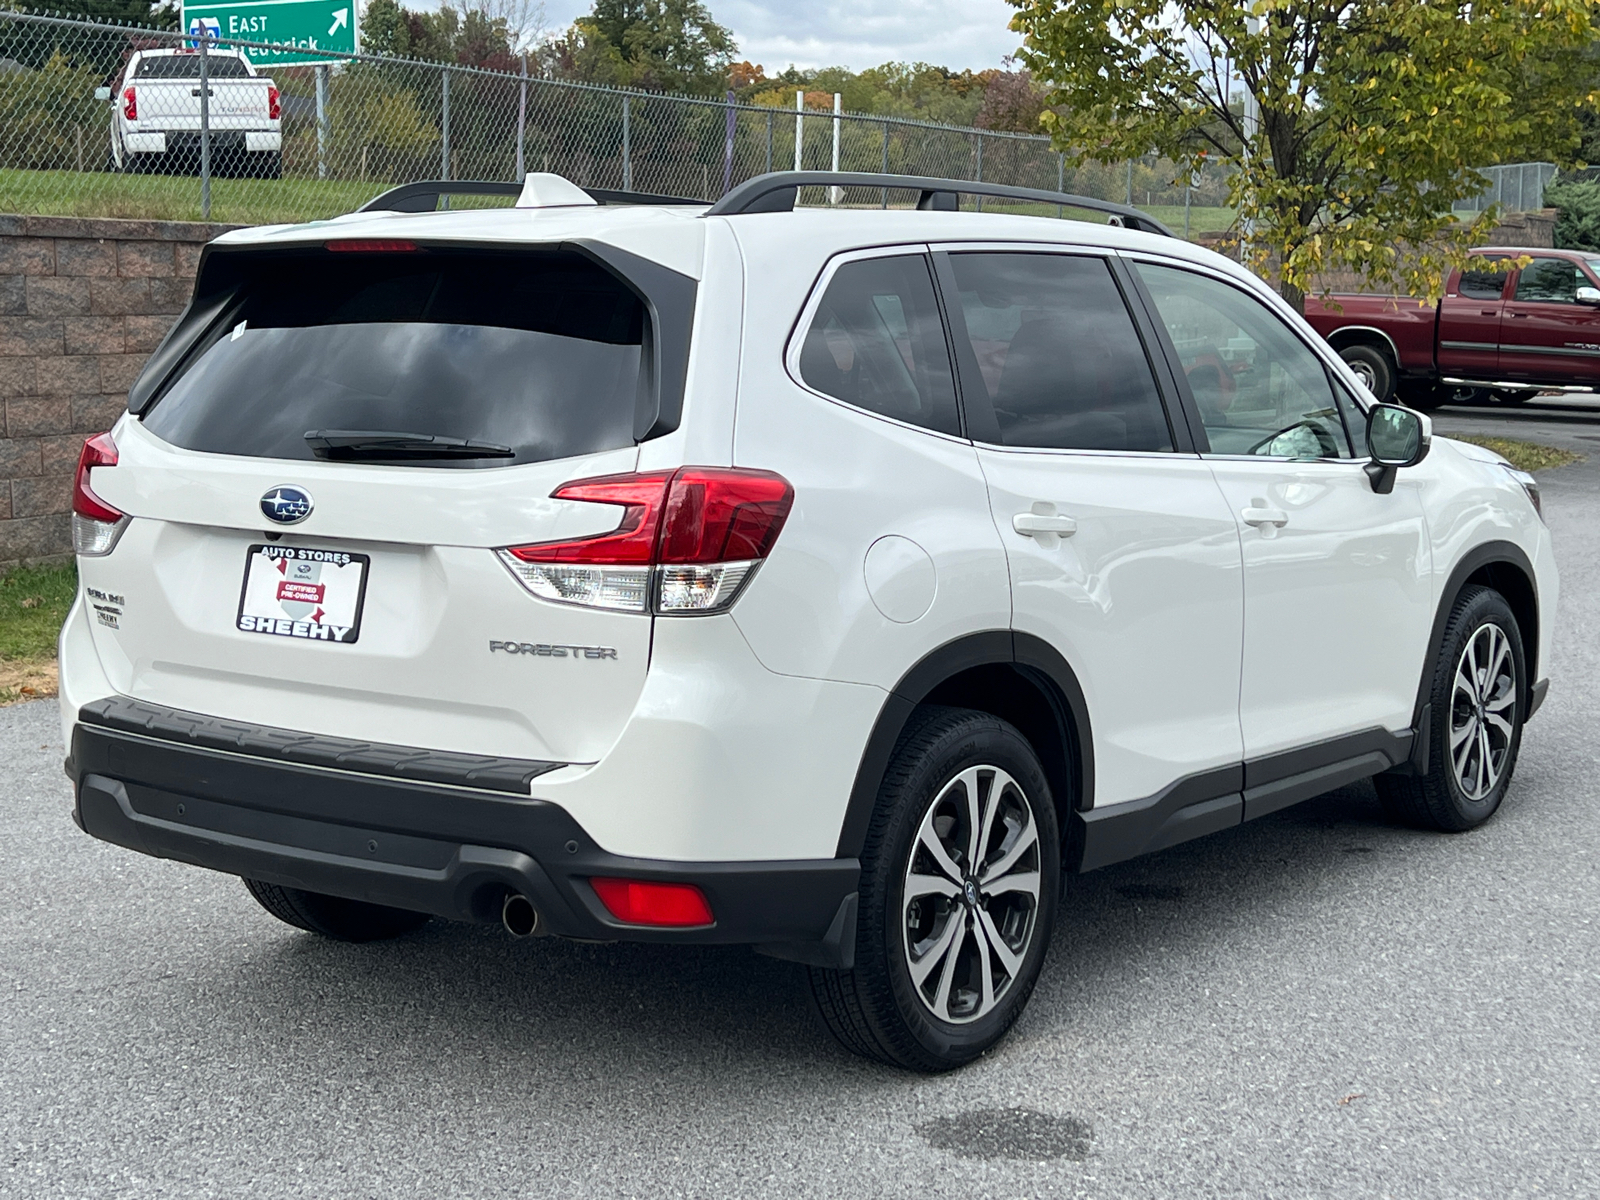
column 82, row 304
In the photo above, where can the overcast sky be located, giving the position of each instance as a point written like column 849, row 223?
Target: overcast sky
column 852, row 33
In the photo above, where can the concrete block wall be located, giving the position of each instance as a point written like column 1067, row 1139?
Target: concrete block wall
column 82, row 305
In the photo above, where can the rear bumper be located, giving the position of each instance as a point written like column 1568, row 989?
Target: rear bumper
column 451, row 851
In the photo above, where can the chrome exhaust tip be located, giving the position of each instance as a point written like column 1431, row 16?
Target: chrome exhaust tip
column 519, row 916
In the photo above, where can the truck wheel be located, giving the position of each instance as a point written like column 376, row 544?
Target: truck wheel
column 1475, row 726
column 960, row 877
column 1514, row 395
column 1374, row 368
column 333, row 916
column 268, row 164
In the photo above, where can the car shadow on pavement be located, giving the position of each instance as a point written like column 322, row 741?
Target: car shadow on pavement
column 472, row 1002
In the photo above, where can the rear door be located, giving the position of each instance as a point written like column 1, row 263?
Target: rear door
column 1122, row 554
column 355, row 582
column 1469, row 324
column 1546, row 333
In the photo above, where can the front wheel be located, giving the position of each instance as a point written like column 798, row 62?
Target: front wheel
column 959, row 883
column 1475, row 726
column 333, row 916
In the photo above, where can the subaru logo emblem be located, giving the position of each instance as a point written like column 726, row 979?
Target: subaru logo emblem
column 286, row 505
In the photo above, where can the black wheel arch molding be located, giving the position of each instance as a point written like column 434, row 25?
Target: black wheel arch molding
column 1505, row 567
column 972, row 671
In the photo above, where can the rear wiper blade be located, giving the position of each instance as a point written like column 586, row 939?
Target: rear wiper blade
column 347, row 445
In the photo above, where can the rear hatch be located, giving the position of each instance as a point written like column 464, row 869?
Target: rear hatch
column 302, row 555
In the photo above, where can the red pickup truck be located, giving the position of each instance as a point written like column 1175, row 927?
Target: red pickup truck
column 1505, row 334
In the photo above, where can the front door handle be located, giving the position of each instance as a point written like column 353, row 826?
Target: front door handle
column 1258, row 517
column 1032, row 524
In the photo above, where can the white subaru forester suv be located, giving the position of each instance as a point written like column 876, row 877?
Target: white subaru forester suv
column 829, row 580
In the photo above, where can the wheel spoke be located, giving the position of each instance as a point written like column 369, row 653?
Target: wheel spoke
column 1501, row 651
column 1500, row 723
column 1501, row 700
column 997, row 791
column 1471, row 665
column 1026, row 838
column 1486, row 765
column 923, row 967
column 1464, row 683
column 1026, row 882
column 971, row 781
column 929, row 839
column 1009, row 958
column 1461, row 751
column 941, row 998
column 983, row 940
column 1457, row 736
column 918, row 885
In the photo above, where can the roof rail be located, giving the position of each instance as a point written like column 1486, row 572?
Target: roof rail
column 776, row 192
column 424, row 196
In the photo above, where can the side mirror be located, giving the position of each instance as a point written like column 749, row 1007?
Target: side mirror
column 1588, row 295
column 105, row 94
column 1396, row 437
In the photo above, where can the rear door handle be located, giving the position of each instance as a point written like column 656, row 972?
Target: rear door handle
column 1258, row 517
column 1032, row 524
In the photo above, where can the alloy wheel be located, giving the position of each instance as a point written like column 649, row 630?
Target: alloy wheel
column 1482, row 710
column 971, row 894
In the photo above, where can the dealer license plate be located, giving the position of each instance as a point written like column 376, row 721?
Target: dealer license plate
column 295, row 592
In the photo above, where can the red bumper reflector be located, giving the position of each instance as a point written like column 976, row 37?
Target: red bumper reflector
column 646, row 902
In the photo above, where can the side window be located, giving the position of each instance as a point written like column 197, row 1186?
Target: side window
column 1553, row 280
column 1259, row 389
column 1058, row 355
column 1483, row 285
column 877, row 342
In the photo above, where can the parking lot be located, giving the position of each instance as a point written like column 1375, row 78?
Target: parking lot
column 1314, row 1004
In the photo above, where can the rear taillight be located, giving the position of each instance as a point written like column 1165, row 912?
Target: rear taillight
column 130, row 105
column 96, row 526
column 274, row 105
column 688, row 542
column 646, row 902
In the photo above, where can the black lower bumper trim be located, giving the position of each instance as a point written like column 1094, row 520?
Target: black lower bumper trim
column 452, row 852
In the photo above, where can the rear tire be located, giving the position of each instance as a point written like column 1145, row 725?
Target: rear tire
column 1514, row 395
column 952, row 925
column 1475, row 730
column 333, row 916
column 1374, row 368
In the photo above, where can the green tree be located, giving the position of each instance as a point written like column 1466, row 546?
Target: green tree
column 662, row 45
column 134, row 12
column 1351, row 127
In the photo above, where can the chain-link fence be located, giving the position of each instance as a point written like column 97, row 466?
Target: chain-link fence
column 1515, row 187
column 102, row 119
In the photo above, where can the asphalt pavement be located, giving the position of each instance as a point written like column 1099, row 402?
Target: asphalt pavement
column 1317, row 1004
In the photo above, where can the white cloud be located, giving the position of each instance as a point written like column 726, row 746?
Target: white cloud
column 855, row 34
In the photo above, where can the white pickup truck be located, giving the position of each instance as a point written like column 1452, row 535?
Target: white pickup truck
column 155, row 115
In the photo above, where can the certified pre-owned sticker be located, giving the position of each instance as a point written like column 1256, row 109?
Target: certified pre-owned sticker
column 550, row 650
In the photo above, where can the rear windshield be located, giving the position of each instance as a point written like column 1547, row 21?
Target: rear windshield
column 538, row 353
column 187, row 66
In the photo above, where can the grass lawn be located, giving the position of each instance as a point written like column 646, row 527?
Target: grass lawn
column 1525, row 456
column 33, row 604
column 177, row 197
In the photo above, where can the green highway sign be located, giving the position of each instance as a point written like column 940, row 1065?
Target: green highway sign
column 299, row 25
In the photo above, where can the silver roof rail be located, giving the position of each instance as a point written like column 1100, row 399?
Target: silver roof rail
column 776, row 192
